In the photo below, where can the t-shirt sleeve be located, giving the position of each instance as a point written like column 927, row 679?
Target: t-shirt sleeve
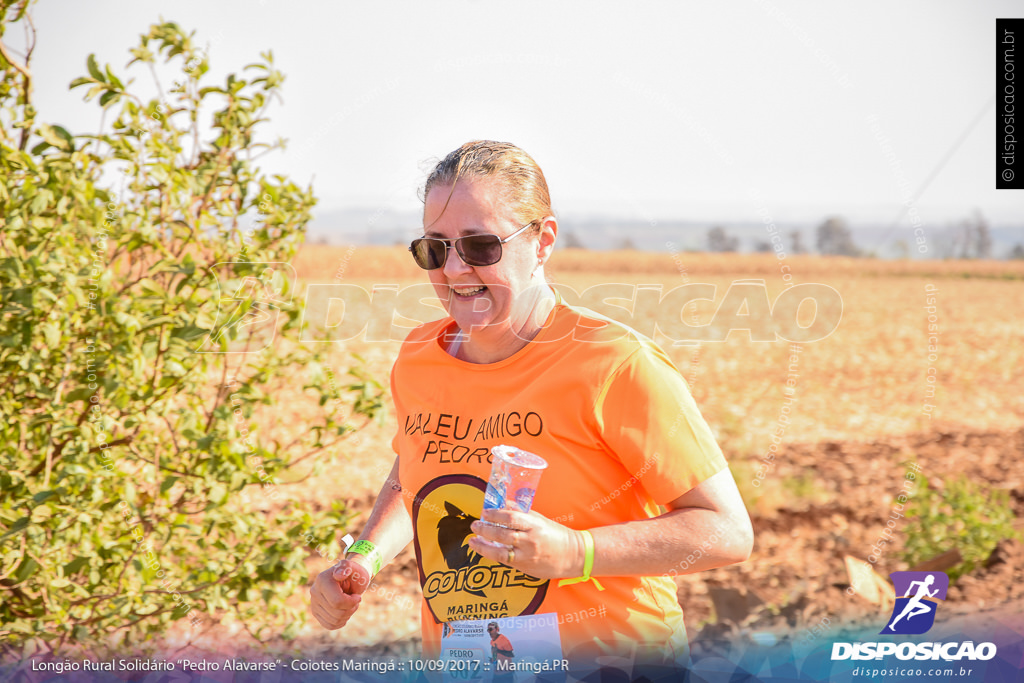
column 398, row 409
column 647, row 418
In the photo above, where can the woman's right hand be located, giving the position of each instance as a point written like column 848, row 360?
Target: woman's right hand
column 337, row 592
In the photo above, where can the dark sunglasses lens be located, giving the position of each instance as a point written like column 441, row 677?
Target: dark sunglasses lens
column 429, row 254
column 480, row 250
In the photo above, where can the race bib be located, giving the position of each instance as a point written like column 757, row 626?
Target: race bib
column 468, row 650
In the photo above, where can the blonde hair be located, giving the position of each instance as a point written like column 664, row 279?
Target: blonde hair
column 523, row 185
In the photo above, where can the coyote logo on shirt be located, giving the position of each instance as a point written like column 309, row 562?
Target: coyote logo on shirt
column 458, row 583
column 453, row 534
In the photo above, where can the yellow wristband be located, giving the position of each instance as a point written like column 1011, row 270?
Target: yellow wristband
column 588, row 563
column 588, row 554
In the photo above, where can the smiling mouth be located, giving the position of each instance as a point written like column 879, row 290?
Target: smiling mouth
column 468, row 292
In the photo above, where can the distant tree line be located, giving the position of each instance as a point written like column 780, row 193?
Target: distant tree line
column 833, row 238
column 971, row 238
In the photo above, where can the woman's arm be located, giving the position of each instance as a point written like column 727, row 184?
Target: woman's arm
column 337, row 592
column 706, row 527
column 709, row 523
column 389, row 527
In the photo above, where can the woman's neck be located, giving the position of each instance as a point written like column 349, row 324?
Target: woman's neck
column 481, row 348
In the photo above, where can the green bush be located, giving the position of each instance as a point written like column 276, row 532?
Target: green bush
column 962, row 515
column 130, row 444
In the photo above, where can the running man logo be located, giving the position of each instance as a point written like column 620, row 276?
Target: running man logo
column 914, row 612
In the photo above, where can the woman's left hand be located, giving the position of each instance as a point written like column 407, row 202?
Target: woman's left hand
column 537, row 546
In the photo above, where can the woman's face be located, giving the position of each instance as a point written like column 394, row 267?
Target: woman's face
column 489, row 303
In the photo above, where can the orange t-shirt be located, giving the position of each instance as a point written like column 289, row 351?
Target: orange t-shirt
column 613, row 418
column 499, row 645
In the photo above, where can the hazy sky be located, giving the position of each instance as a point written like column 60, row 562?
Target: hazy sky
column 655, row 110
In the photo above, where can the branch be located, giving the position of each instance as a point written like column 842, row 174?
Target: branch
column 252, row 635
column 42, row 586
column 219, row 581
column 156, row 82
column 117, row 589
column 26, row 81
column 313, row 452
column 117, row 442
column 144, row 616
column 204, row 202
column 56, row 399
column 59, row 448
column 145, row 408
column 217, row 399
column 30, row 45
column 17, row 563
column 174, row 436
column 161, row 467
column 94, row 449
column 20, row 68
column 196, row 102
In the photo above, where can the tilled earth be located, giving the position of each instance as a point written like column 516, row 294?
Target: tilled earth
column 797, row 576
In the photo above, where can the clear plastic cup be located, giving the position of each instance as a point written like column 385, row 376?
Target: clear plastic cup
column 515, row 474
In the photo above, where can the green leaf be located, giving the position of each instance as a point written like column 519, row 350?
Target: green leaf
column 51, row 334
column 291, row 630
column 41, row 513
column 75, row 565
column 43, row 496
column 26, row 569
column 108, row 97
column 19, row 525
column 63, row 133
column 218, row 492
column 79, row 394
column 113, row 80
column 94, row 69
column 56, row 136
column 174, row 368
column 150, row 287
column 156, row 322
column 167, row 483
column 189, row 332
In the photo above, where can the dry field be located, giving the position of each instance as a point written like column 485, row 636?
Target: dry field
column 868, row 379
column 857, row 416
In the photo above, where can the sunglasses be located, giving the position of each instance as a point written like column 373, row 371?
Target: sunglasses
column 430, row 253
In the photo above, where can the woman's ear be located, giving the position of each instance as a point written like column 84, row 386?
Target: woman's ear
column 548, row 236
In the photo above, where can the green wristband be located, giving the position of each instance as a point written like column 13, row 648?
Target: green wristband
column 370, row 552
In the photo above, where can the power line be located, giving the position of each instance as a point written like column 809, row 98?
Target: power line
column 938, row 169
